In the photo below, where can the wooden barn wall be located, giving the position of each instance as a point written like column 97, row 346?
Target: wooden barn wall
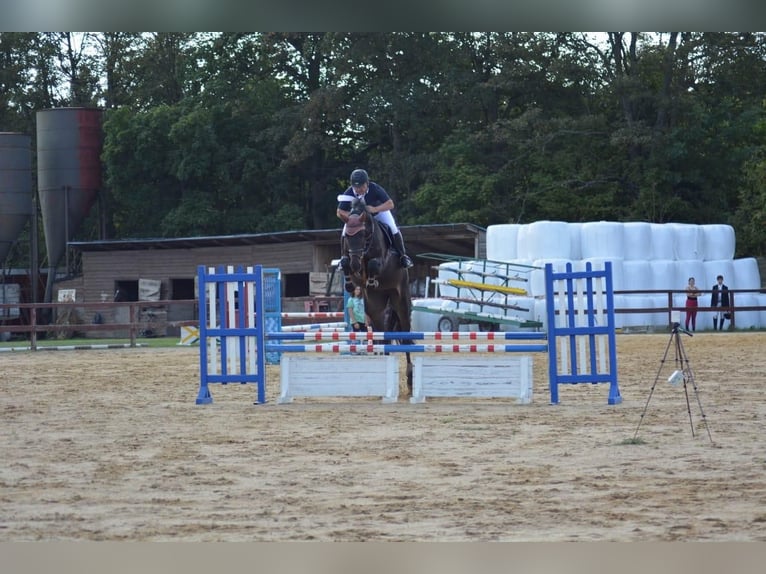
column 102, row 268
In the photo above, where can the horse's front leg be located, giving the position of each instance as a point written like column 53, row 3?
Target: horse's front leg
column 374, row 268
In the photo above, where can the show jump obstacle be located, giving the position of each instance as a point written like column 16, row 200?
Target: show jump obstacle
column 235, row 343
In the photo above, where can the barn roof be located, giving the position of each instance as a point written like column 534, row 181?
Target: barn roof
column 458, row 238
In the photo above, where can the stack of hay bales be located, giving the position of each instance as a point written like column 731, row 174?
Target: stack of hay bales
column 644, row 256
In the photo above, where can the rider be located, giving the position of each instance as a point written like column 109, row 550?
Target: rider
column 380, row 204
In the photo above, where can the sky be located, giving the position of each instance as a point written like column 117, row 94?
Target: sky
column 397, row 15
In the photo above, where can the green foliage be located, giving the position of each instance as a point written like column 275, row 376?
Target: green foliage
column 225, row 133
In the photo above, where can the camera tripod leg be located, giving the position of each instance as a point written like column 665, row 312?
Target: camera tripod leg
column 689, row 376
column 681, row 359
column 654, row 384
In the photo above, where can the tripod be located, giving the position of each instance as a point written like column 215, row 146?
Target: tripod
column 683, row 371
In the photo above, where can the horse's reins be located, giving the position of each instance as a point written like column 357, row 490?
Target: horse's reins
column 367, row 237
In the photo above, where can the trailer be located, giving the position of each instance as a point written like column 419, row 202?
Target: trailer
column 492, row 294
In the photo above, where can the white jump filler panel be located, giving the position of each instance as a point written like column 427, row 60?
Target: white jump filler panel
column 457, row 376
column 339, row 376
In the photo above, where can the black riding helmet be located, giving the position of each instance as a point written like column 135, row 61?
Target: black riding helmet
column 359, row 177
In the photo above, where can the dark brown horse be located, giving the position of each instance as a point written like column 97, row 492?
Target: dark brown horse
column 375, row 267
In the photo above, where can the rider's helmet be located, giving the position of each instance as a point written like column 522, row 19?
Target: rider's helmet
column 359, row 177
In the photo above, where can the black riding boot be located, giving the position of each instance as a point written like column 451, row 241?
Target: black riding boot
column 404, row 259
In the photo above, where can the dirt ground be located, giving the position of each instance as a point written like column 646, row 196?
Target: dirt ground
column 110, row 445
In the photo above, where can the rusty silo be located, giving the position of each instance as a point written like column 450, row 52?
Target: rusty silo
column 16, row 204
column 69, row 142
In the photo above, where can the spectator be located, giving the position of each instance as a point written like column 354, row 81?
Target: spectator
column 692, row 293
column 720, row 299
column 357, row 318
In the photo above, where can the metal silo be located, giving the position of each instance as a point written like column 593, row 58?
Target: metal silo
column 69, row 142
column 16, row 205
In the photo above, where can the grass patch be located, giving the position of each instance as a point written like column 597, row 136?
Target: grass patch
column 153, row 342
column 635, row 440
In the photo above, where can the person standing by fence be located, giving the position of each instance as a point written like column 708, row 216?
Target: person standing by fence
column 692, row 294
column 357, row 318
column 720, row 299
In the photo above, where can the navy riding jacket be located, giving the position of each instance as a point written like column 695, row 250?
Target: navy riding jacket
column 374, row 197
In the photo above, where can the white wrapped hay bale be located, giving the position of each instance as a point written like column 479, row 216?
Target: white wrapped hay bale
column 424, row 320
column 598, row 264
column 636, row 319
column 545, row 239
column 690, row 268
column 602, row 239
column 760, row 300
column 575, row 241
column 746, row 274
column 521, row 268
column 712, row 270
column 638, row 240
column 521, row 242
column 502, row 241
column 537, row 277
column 663, row 239
column 659, row 318
column 664, row 274
column 719, row 242
column 446, row 272
column 637, row 275
column 688, row 241
column 619, row 318
column 540, row 312
column 746, row 319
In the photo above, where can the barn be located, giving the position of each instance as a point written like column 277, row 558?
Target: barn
column 115, row 269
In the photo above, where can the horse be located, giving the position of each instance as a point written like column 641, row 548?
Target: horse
column 374, row 266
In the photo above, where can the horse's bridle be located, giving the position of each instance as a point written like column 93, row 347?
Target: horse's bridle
column 359, row 252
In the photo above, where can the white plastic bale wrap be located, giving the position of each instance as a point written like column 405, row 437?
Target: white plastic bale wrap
column 637, row 275
column 537, row 277
column 541, row 314
column 638, row 241
column 423, row 320
column 502, row 241
column 761, row 302
column 521, row 242
column 525, row 312
column 619, row 318
column 719, row 242
column 746, row 274
column 575, row 241
column 659, row 319
column 663, row 239
column 664, row 274
column 448, row 271
column 636, row 302
column 598, row 264
column 602, row 239
column 746, row 319
column 688, row 241
column 545, row 239
column 712, row 270
column 690, row 268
